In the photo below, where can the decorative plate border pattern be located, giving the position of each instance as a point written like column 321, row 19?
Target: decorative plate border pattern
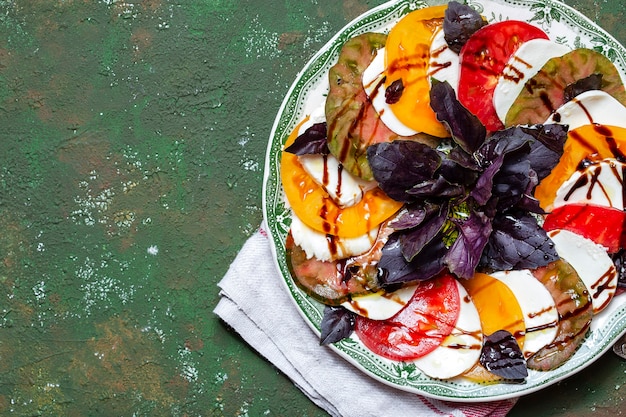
column 564, row 25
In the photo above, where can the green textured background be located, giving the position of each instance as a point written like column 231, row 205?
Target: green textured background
column 132, row 143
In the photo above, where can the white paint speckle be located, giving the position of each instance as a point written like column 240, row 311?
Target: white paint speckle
column 40, row 291
column 188, row 367
column 220, row 377
column 259, row 42
column 243, row 410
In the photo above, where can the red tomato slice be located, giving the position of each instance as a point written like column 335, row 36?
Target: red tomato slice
column 483, row 59
column 603, row 225
column 420, row 327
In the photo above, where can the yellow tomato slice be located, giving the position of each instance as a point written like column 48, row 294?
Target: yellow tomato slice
column 498, row 309
column 497, row 306
column 312, row 204
column 592, row 142
column 407, row 58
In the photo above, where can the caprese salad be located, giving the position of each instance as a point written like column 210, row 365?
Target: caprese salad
column 458, row 201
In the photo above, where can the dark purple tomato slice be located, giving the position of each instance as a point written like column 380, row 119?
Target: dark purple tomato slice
column 573, row 304
column 330, row 282
column 544, row 93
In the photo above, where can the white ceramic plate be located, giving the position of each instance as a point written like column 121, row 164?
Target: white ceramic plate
column 564, row 25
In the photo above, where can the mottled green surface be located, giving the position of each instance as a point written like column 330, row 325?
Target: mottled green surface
column 132, row 140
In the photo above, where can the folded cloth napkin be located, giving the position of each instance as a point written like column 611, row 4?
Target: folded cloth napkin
column 255, row 303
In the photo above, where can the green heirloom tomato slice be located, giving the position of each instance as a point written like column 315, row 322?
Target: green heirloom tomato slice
column 545, row 92
column 483, row 58
column 573, row 303
column 330, row 282
column 420, row 327
column 353, row 123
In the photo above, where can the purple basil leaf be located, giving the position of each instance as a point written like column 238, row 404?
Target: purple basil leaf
column 456, row 173
column 450, row 180
column 430, row 260
column 399, row 165
column 502, row 356
column 414, row 215
column 312, row 141
column 619, row 259
column 509, row 172
column 436, row 188
column 337, row 324
column 483, row 190
column 517, row 242
column 592, row 82
column 493, row 155
column 504, row 142
column 529, row 204
column 463, row 159
column 552, row 136
column 415, row 240
column 547, row 149
column 394, row 92
column 465, row 253
column 466, row 129
column 512, row 182
column 459, row 23
column 395, row 269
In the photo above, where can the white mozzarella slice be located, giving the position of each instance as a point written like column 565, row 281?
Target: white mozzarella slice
column 600, row 184
column 374, row 84
column 524, row 64
column 381, row 305
column 460, row 351
column 595, row 106
column 591, row 262
column 344, row 188
column 541, row 317
column 325, row 248
column 444, row 62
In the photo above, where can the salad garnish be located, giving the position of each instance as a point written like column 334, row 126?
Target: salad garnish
column 482, row 185
column 460, row 22
column 502, row 356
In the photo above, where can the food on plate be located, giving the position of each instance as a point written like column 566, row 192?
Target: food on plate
column 600, row 183
column 585, row 145
column 457, row 202
column 548, row 90
column 524, row 64
column 589, row 107
column 603, row 225
column 498, row 309
column 350, row 116
column 460, row 350
column 333, row 282
column 592, row 263
column 484, row 58
column 420, row 327
column 497, row 306
column 539, row 311
column 407, row 57
column 575, row 314
column 312, row 204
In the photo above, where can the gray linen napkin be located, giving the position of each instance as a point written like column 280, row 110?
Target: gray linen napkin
column 256, row 305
